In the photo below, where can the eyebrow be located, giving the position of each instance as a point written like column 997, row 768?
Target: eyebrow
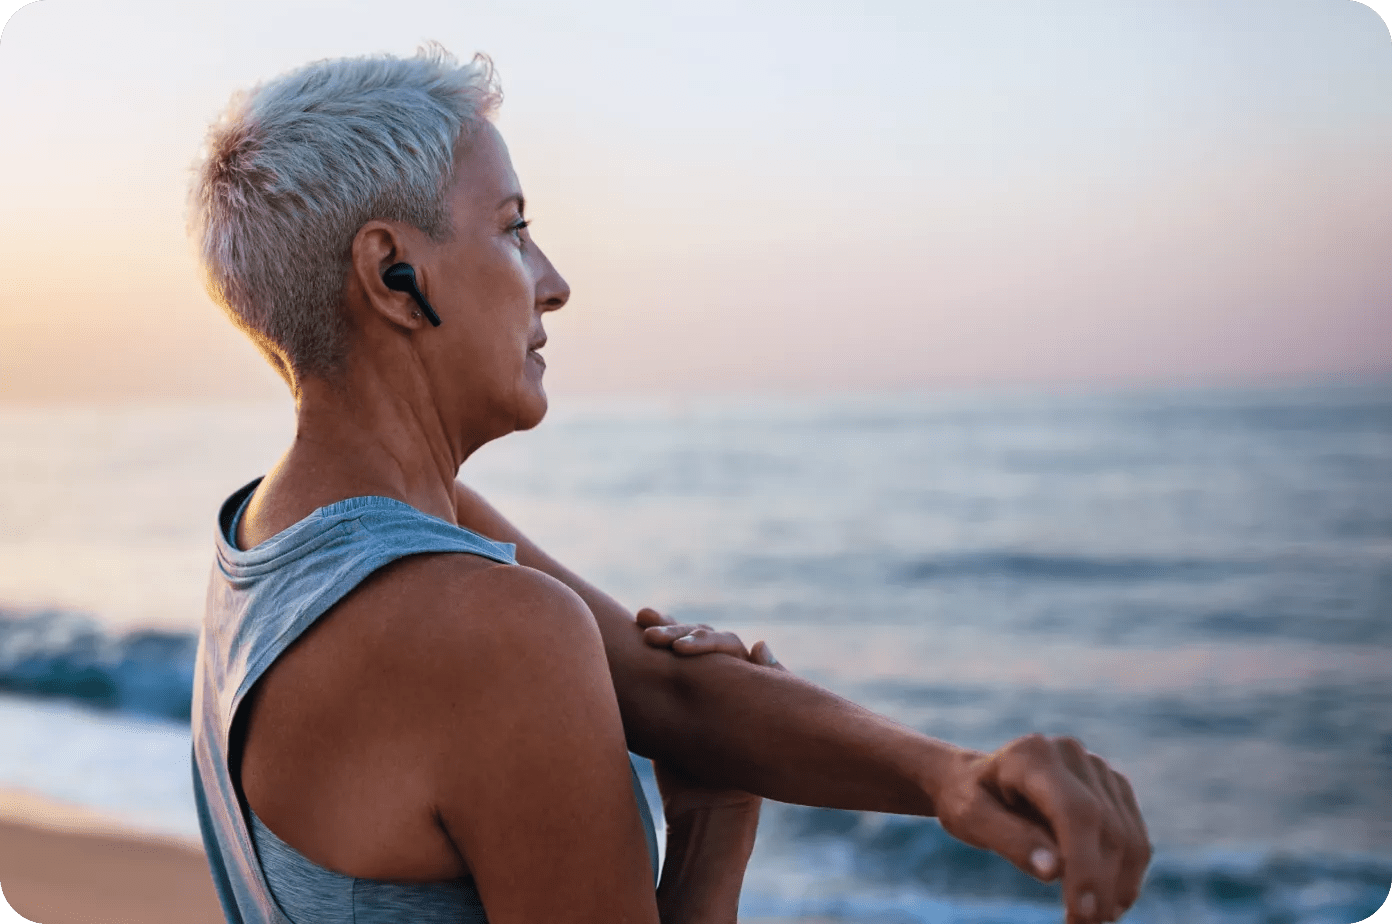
column 517, row 197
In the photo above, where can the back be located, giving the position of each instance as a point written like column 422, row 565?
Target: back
column 260, row 601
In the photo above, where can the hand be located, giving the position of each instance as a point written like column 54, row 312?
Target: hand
column 1053, row 809
column 687, row 639
column 681, row 794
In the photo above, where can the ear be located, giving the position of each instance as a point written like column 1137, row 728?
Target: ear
column 376, row 246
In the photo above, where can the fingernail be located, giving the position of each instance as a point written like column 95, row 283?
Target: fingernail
column 1087, row 905
column 1043, row 861
column 769, row 655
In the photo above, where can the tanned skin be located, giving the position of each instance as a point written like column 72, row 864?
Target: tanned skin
column 455, row 716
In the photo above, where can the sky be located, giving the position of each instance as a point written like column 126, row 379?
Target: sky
column 766, row 196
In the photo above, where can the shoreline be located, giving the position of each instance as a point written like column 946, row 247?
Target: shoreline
column 62, row 864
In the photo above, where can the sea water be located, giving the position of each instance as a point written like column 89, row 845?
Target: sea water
column 1195, row 583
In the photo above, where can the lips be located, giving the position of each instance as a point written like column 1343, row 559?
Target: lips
column 532, row 350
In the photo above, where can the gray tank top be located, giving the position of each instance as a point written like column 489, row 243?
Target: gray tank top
column 259, row 601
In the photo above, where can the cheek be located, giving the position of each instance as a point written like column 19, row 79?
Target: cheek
column 505, row 284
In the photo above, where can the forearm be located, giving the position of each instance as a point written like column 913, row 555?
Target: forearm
column 743, row 726
column 738, row 725
column 707, row 853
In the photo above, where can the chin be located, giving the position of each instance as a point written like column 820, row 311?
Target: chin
column 532, row 411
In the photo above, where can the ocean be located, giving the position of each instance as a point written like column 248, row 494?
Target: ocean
column 1197, row 583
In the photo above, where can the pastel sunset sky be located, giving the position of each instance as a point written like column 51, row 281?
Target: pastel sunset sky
column 766, row 196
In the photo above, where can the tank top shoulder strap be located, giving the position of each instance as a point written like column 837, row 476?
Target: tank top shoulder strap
column 260, row 600
column 281, row 586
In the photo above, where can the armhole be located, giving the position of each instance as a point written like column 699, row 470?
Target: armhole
column 236, row 745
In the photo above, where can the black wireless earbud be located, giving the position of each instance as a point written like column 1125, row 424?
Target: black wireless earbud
column 401, row 277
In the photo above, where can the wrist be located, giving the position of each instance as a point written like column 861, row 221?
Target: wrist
column 715, row 827
column 938, row 771
column 707, row 852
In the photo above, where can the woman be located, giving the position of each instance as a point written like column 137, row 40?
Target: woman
column 393, row 718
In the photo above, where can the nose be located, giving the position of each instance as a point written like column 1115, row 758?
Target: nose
column 552, row 289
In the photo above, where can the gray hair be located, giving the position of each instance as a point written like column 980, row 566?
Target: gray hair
column 296, row 166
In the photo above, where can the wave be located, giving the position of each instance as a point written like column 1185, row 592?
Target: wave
column 909, row 869
column 69, row 655
column 1079, row 568
column 987, row 567
column 895, row 868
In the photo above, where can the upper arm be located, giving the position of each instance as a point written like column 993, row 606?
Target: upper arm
column 639, row 672
column 526, row 753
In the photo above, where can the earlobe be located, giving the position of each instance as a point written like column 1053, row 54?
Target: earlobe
column 401, row 277
column 378, row 252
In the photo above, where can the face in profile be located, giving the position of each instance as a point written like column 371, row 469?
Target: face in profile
column 491, row 285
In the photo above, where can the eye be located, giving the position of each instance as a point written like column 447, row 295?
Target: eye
column 516, row 229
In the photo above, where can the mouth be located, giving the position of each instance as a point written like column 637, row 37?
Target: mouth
column 534, row 347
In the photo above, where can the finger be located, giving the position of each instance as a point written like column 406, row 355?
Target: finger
column 1118, row 844
column 708, row 641
column 1123, row 839
column 670, row 631
column 648, row 616
column 1088, row 884
column 1083, row 910
column 990, row 825
column 1101, row 889
column 1090, row 895
column 1054, row 777
column 762, row 654
column 1135, row 852
column 663, row 636
column 1128, row 796
column 1114, row 838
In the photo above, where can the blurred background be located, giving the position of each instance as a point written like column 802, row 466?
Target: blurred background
column 1008, row 367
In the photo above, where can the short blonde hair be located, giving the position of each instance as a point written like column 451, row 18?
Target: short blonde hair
column 297, row 165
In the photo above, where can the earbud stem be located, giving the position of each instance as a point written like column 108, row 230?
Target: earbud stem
column 401, row 277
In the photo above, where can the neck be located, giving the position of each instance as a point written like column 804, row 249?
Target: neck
column 367, row 433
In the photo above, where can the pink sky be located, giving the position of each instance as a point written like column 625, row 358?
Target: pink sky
column 790, row 197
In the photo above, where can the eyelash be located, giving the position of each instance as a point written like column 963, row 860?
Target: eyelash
column 516, row 230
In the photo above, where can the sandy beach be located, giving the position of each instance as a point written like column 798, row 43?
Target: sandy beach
column 65, row 865
column 62, row 865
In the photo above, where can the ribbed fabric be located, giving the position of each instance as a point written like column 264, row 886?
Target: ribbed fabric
column 259, row 602
column 309, row 894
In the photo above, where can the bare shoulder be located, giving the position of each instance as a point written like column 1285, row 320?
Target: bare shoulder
column 461, row 630
column 414, row 675
column 510, row 711
column 433, row 639
column 452, row 606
